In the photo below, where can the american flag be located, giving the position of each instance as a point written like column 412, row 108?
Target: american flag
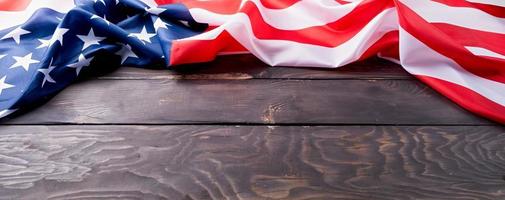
column 455, row 46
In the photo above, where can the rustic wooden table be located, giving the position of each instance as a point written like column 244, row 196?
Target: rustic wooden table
column 237, row 129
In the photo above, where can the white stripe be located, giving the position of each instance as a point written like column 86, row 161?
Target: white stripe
column 289, row 53
column 500, row 3
column 12, row 18
column 211, row 18
column 4, row 113
column 484, row 52
column 419, row 59
column 303, row 14
column 150, row 3
column 470, row 18
column 393, row 60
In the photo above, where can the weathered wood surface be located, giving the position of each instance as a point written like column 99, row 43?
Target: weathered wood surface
column 252, row 162
column 249, row 67
column 365, row 131
column 251, row 102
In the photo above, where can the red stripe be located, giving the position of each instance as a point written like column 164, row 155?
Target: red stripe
column 278, row 4
column 14, row 5
column 467, row 98
column 387, row 46
column 232, row 46
column 192, row 51
column 471, row 37
column 342, row 2
column 496, row 11
column 330, row 35
column 226, row 7
column 429, row 34
column 163, row 2
column 232, row 6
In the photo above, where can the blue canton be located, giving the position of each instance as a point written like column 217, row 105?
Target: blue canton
column 51, row 50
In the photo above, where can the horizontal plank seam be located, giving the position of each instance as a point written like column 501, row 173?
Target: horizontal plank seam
column 243, row 124
column 238, row 79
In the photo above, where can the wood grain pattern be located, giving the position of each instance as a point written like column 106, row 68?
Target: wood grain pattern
column 249, row 102
column 251, row 162
column 249, row 67
column 159, row 134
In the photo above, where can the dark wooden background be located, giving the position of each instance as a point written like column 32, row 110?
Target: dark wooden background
column 237, row 129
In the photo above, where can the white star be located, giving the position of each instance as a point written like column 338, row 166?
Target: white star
column 16, row 34
column 102, row 1
column 104, row 19
column 117, row 2
column 126, row 52
column 4, row 85
column 46, row 72
column 82, row 62
column 58, row 36
column 24, row 61
column 155, row 10
column 160, row 24
column 90, row 39
column 143, row 35
column 185, row 23
column 44, row 43
column 6, row 112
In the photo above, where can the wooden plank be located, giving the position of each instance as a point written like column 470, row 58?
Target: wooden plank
column 249, row 67
column 251, row 162
column 249, row 102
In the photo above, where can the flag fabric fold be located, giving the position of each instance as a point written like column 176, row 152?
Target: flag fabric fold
column 457, row 47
